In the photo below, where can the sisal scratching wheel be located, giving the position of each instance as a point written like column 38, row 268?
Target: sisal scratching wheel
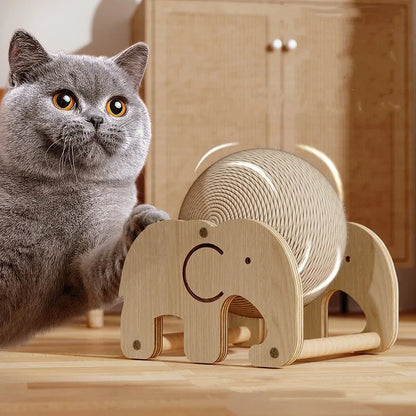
column 288, row 194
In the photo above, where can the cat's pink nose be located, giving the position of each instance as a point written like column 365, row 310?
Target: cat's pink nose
column 96, row 121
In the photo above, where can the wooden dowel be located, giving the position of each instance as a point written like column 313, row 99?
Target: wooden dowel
column 236, row 335
column 319, row 347
column 342, row 344
column 95, row 318
column 173, row 341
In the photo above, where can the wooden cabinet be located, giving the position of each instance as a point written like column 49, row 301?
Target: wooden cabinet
column 214, row 81
column 347, row 92
column 208, row 81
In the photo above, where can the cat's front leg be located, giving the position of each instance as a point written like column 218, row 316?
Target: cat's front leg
column 100, row 268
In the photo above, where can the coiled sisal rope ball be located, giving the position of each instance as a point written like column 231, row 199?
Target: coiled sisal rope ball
column 285, row 192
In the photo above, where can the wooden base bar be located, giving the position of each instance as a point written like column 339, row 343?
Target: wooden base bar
column 312, row 348
column 342, row 344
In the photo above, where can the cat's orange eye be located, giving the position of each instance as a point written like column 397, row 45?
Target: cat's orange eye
column 116, row 107
column 63, row 100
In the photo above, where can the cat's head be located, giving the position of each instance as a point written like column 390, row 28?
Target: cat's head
column 74, row 115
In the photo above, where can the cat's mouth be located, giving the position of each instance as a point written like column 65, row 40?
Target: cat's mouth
column 107, row 142
column 84, row 149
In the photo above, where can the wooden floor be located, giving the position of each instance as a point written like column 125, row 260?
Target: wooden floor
column 78, row 371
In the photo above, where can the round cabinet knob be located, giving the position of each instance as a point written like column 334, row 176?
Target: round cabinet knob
column 291, row 44
column 276, row 44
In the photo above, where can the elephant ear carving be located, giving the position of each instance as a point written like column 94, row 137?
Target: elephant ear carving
column 184, row 274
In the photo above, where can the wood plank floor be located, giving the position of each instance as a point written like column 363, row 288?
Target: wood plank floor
column 78, row 371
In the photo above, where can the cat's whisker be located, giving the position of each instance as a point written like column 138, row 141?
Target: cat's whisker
column 50, row 147
column 56, row 143
column 67, row 159
column 47, row 150
column 71, row 147
column 53, row 144
column 62, row 160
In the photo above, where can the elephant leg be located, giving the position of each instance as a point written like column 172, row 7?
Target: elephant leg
column 141, row 334
column 283, row 341
column 369, row 277
column 276, row 291
column 205, row 333
column 315, row 317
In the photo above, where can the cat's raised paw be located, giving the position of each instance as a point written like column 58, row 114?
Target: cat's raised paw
column 142, row 216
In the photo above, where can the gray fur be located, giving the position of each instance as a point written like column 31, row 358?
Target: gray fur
column 67, row 190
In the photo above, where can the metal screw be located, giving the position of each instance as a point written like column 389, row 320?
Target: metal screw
column 274, row 352
column 137, row 345
column 203, row 232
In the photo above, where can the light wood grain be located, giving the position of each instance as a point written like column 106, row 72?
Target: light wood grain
column 75, row 371
column 311, row 348
column 173, row 268
column 236, row 335
column 342, row 344
column 194, row 270
column 255, row 326
column 368, row 276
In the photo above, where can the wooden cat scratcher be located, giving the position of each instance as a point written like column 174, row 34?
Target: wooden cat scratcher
column 261, row 246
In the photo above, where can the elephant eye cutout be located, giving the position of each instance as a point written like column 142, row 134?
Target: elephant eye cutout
column 116, row 107
column 247, row 260
column 64, row 100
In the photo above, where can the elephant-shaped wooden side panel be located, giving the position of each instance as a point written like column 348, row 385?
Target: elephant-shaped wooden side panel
column 193, row 270
column 369, row 277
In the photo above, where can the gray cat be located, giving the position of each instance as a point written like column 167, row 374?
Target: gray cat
column 74, row 135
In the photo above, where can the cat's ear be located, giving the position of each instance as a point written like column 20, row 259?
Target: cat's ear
column 133, row 61
column 25, row 54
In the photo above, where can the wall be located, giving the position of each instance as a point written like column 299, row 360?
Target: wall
column 97, row 27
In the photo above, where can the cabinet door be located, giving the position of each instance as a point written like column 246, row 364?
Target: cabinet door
column 210, row 86
column 347, row 90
